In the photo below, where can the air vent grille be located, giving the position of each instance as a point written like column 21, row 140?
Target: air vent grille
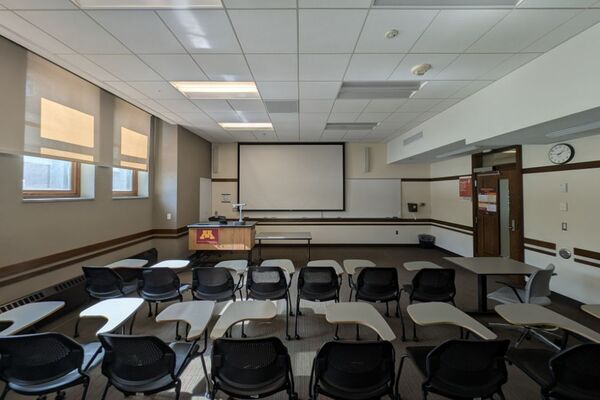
column 281, row 106
column 42, row 294
column 413, row 138
column 350, row 126
column 379, row 90
column 445, row 3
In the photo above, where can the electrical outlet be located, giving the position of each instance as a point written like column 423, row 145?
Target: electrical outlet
column 396, row 232
column 563, row 206
column 169, row 216
column 564, row 226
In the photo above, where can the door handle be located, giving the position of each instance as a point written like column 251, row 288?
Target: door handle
column 513, row 225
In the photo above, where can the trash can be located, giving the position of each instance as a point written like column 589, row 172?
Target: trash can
column 426, row 241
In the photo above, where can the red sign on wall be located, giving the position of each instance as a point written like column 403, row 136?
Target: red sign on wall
column 465, row 187
column 207, row 236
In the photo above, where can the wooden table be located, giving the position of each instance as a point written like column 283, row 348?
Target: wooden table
column 532, row 315
column 128, row 263
column 327, row 263
column 301, row 236
column 484, row 266
column 436, row 313
column 592, row 309
column 419, row 265
column 239, row 311
column 359, row 313
column 115, row 311
column 173, row 264
column 27, row 315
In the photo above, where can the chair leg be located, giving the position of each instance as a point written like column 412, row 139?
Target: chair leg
column 357, row 332
column 156, row 308
column 415, row 338
column 4, row 392
column 177, row 335
column 290, row 301
column 501, row 394
column 76, row 333
column 149, row 309
column 399, row 314
column 105, row 390
column 243, row 331
column 336, row 335
column 86, row 384
column 287, row 319
column 296, row 335
column 387, row 309
column 177, row 389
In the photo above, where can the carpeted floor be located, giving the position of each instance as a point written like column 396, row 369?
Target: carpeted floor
column 315, row 330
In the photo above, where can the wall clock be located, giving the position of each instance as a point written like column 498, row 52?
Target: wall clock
column 561, row 153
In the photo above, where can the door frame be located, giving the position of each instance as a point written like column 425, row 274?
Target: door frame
column 477, row 162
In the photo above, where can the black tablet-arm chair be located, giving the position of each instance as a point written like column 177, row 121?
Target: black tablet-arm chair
column 355, row 371
column 251, row 368
column 571, row 374
column 379, row 285
column 157, row 285
column 215, row 284
column 316, row 284
column 431, row 284
column 44, row 363
column 461, row 369
column 268, row 283
column 144, row 364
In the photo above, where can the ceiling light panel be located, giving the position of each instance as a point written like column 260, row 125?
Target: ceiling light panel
column 217, row 90
column 379, row 90
column 147, row 4
column 246, row 126
column 445, row 3
column 350, row 126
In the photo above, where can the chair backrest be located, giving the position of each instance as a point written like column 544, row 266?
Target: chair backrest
column 538, row 284
column 209, row 281
column 575, row 371
column 156, row 281
column 318, row 279
column 434, row 283
column 352, row 366
column 249, row 363
column 38, row 358
column 134, row 360
column 474, row 367
column 151, row 255
column 102, row 282
column 262, row 281
column 378, row 278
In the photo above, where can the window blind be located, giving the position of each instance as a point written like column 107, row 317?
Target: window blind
column 131, row 136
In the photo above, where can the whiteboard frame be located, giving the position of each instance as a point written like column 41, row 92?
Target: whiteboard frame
column 240, row 144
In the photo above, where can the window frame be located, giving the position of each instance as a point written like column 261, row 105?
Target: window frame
column 134, row 192
column 74, row 192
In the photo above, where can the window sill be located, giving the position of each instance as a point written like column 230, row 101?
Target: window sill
column 56, row 199
column 130, row 197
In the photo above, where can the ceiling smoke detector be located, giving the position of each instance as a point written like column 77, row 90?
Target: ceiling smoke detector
column 420, row 69
column 392, row 34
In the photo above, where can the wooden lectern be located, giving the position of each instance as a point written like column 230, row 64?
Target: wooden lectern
column 213, row 236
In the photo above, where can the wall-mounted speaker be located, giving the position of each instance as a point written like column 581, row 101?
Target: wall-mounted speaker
column 367, row 159
column 215, row 158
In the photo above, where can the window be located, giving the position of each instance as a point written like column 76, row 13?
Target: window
column 45, row 177
column 124, row 182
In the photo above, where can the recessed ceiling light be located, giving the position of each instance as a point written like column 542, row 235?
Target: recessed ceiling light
column 420, row 69
column 133, row 4
column 392, row 34
column 217, row 90
column 246, row 126
column 379, row 90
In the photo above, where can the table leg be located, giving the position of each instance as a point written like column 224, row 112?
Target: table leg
column 308, row 249
column 259, row 251
column 482, row 293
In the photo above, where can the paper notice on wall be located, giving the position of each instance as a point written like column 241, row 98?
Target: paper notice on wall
column 491, row 207
column 487, row 200
column 465, row 187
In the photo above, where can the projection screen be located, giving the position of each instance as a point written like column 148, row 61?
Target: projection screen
column 291, row 177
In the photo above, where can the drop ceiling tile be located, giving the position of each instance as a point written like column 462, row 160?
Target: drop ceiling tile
column 179, row 105
column 343, row 117
column 334, row 135
column 273, row 67
column 38, row 4
column 197, row 118
column 88, row 66
column 318, row 106
column 384, row 105
column 520, row 29
column 453, row 31
column 470, row 89
column 32, row 34
column 409, row 23
column 157, row 90
column 437, row 61
column 127, row 90
column 260, row 3
column 253, row 116
column 372, row 67
column 319, row 90
column 511, row 64
column 218, row 116
column 472, row 66
column 372, row 117
column 202, row 31
column 278, row 90
column 311, row 123
column 224, row 67
column 354, row 136
column 151, row 104
column 142, row 32
column 330, row 31
column 266, row 31
column 174, row 67
column 439, row 89
column 350, row 105
column 288, row 119
column 425, row 116
column 418, row 105
column 444, row 105
column 334, row 3
column 76, row 30
column 213, row 105
column 572, row 27
column 243, row 136
column 556, row 3
column 323, row 67
column 125, row 67
column 265, row 136
column 248, row 105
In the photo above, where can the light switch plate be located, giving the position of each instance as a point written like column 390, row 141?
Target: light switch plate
column 564, row 187
column 564, row 226
column 564, row 207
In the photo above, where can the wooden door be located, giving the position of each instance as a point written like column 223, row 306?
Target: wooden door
column 488, row 220
column 515, row 212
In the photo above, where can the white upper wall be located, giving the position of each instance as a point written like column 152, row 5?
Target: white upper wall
column 562, row 82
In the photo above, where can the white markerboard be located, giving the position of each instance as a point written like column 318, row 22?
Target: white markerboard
column 371, row 198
